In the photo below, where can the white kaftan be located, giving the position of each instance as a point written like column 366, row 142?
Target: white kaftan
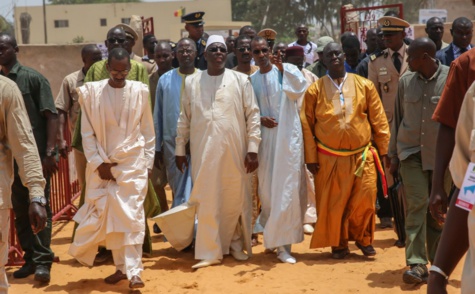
column 281, row 164
column 117, row 127
column 220, row 118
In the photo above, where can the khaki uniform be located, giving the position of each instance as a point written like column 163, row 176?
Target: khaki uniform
column 385, row 77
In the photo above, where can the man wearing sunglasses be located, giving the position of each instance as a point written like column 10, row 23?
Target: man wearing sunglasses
column 281, row 174
column 220, row 119
column 119, row 144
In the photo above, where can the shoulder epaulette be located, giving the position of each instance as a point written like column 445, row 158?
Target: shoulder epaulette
column 373, row 56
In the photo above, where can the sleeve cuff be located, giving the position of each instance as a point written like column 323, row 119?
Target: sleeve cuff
column 180, row 150
column 96, row 162
column 37, row 191
column 253, row 147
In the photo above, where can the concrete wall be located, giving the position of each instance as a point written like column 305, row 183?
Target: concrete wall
column 53, row 61
column 84, row 20
column 456, row 8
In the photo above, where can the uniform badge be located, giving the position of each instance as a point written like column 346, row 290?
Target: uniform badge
column 386, row 87
column 203, row 42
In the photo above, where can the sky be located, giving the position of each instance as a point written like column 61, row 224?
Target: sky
column 6, row 6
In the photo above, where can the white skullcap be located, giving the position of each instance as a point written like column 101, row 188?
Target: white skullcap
column 215, row 39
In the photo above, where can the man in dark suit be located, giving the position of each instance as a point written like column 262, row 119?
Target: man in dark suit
column 461, row 31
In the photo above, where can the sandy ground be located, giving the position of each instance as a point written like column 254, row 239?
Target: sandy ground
column 169, row 271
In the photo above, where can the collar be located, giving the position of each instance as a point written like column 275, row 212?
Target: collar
column 457, row 48
column 182, row 74
column 16, row 67
column 434, row 76
column 401, row 51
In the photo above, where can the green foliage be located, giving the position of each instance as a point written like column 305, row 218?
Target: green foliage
column 5, row 26
column 78, row 39
column 62, row 2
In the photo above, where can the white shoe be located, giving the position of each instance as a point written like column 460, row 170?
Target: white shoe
column 239, row 255
column 286, row 257
column 308, row 229
column 205, row 263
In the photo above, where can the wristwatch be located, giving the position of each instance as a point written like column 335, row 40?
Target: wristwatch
column 40, row 200
column 51, row 152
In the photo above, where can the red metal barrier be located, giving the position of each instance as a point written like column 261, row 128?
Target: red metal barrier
column 64, row 190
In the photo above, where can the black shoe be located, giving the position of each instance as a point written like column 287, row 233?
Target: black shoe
column 367, row 250
column 340, row 253
column 26, row 270
column 102, row 256
column 417, row 274
column 156, row 229
column 42, row 273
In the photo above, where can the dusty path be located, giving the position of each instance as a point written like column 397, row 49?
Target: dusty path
column 169, row 271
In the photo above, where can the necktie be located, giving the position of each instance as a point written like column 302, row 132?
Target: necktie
column 463, row 50
column 396, row 61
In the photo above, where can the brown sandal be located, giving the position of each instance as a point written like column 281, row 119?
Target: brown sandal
column 115, row 278
column 136, row 282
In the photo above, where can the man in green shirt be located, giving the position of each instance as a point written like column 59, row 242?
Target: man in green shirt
column 412, row 146
column 43, row 117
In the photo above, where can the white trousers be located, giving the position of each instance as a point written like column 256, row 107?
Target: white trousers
column 128, row 260
column 4, row 232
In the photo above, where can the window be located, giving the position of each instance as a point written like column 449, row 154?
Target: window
column 125, row 20
column 62, row 23
column 103, row 22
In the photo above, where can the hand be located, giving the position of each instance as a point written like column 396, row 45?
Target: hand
column 158, row 160
column 250, row 162
column 50, row 167
column 104, row 171
column 438, row 204
column 63, row 148
column 393, row 168
column 436, row 284
column 313, row 168
column 180, row 162
column 277, row 61
column 268, row 122
column 37, row 215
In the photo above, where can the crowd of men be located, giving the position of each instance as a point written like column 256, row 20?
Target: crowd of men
column 258, row 136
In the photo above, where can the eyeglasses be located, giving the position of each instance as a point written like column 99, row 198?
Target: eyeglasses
column 216, row 49
column 257, row 52
column 242, row 49
column 121, row 72
column 185, row 51
column 115, row 40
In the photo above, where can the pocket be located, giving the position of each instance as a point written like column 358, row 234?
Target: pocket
column 411, row 98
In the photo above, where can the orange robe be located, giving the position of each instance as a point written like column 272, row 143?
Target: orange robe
column 345, row 202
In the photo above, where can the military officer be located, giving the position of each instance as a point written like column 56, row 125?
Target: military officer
column 384, row 70
column 194, row 26
column 269, row 35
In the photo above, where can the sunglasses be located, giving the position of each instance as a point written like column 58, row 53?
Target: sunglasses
column 216, row 49
column 243, row 49
column 257, row 52
column 115, row 40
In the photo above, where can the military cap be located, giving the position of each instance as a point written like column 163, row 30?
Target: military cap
column 129, row 31
column 322, row 42
column 392, row 24
column 194, row 18
column 268, row 34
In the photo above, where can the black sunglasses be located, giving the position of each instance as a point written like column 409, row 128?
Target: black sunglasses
column 115, row 40
column 257, row 52
column 216, row 49
column 242, row 49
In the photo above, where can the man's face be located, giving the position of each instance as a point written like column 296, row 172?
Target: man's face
column 91, row 58
column 243, row 51
column 115, row 39
column 279, row 49
column 118, row 71
column 414, row 59
column 163, row 57
column 393, row 40
column 333, row 57
column 194, row 32
column 186, row 54
column 216, row 55
column 261, row 52
column 302, row 33
column 352, row 55
column 296, row 60
column 250, row 33
column 150, row 46
column 7, row 51
column 435, row 30
column 462, row 35
column 371, row 40
column 230, row 42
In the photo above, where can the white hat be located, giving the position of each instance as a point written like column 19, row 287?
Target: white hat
column 215, row 39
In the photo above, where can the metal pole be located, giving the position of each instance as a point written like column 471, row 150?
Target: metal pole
column 44, row 21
